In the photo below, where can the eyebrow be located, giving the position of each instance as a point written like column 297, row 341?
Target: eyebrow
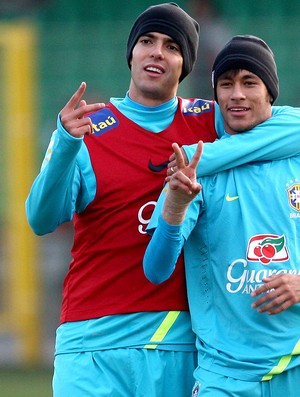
column 250, row 75
column 169, row 39
column 229, row 75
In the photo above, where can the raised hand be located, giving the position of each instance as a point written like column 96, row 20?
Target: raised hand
column 185, row 176
column 183, row 186
column 72, row 115
column 172, row 164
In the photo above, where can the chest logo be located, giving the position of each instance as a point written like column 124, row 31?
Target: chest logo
column 196, row 107
column 231, row 198
column 266, row 248
column 103, row 121
column 294, row 196
column 158, row 167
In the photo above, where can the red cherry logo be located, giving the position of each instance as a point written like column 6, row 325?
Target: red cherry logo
column 268, row 251
column 257, row 251
column 264, row 260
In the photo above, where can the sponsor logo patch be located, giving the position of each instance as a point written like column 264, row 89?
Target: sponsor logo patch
column 195, row 108
column 266, row 248
column 103, row 121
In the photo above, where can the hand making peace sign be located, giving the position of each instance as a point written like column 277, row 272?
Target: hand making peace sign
column 72, row 115
column 183, row 186
column 184, row 178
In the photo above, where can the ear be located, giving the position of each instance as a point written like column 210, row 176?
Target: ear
column 270, row 99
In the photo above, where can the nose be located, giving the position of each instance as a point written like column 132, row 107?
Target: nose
column 157, row 51
column 237, row 92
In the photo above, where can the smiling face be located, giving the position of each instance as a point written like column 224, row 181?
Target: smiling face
column 243, row 99
column 156, row 67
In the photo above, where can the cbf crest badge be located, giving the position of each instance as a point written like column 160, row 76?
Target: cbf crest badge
column 294, row 196
column 196, row 388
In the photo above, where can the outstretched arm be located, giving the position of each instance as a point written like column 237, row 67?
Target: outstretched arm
column 167, row 241
column 55, row 191
column 276, row 138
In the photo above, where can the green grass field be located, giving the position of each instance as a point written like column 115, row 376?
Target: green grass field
column 25, row 382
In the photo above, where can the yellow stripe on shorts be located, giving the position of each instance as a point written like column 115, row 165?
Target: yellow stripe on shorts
column 283, row 363
column 162, row 330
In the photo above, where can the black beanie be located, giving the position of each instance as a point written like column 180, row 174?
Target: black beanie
column 250, row 53
column 169, row 19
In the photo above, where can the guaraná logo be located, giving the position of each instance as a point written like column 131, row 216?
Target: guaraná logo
column 266, row 248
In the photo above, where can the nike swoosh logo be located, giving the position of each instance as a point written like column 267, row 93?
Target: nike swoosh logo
column 158, row 167
column 231, row 198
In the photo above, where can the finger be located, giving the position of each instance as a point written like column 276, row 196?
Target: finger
column 172, row 158
column 283, row 306
column 79, row 127
column 89, row 126
column 277, row 310
column 172, row 163
column 267, row 303
column 81, row 111
column 272, row 299
column 170, row 171
column 167, row 179
column 197, row 156
column 82, row 103
column 275, row 306
column 259, row 291
column 183, row 182
column 72, row 103
column 84, row 123
column 178, row 156
column 269, row 284
column 267, row 292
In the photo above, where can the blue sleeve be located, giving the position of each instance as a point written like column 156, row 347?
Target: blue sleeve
column 63, row 184
column 219, row 121
column 276, row 138
column 163, row 251
column 168, row 240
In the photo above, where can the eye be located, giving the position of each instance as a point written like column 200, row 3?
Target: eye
column 250, row 82
column 174, row 47
column 224, row 83
column 145, row 41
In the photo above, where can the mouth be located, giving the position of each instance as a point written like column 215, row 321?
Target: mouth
column 154, row 69
column 238, row 109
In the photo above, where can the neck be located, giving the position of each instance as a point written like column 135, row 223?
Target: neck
column 150, row 98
